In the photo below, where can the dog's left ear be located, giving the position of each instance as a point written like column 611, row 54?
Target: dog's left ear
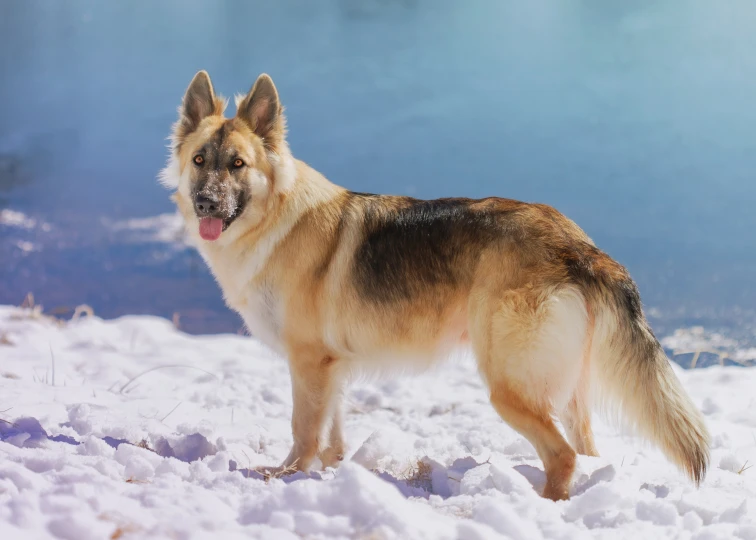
column 261, row 110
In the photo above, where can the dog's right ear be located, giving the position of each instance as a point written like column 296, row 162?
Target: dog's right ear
column 199, row 102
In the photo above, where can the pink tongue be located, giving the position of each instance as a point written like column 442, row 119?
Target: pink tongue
column 210, row 228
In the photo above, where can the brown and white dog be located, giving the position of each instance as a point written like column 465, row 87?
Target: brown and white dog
column 341, row 282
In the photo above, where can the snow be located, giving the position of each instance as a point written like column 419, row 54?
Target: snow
column 131, row 429
column 697, row 340
column 27, row 247
column 163, row 229
column 14, row 218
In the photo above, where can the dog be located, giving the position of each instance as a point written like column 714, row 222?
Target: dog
column 341, row 282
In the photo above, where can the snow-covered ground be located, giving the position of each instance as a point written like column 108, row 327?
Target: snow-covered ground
column 92, row 411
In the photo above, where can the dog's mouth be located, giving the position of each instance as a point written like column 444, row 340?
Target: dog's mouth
column 211, row 227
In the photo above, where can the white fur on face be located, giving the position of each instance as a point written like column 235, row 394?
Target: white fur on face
column 259, row 185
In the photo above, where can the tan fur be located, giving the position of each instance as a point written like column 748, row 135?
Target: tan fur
column 551, row 320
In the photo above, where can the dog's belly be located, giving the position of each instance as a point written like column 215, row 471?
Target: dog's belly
column 397, row 361
column 384, row 346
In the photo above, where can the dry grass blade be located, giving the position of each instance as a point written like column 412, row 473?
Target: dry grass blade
column 28, row 301
column 135, row 377
column 144, row 444
column 132, row 480
column 83, row 309
column 419, row 476
column 721, row 356
column 52, row 360
column 171, row 411
column 4, row 421
column 30, row 310
column 745, row 467
column 123, row 529
column 276, row 472
column 281, row 472
column 123, row 526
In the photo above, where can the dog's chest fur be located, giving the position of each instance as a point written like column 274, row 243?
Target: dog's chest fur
column 259, row 305
column 246, row 291
column 262, row 313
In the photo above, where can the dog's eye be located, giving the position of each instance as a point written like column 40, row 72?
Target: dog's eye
column 238, row 163
column 198, row 160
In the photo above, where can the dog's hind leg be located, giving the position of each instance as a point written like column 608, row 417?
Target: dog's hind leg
column 529, row 343
column 576, row 419
column 537, row 426
column 576, row 416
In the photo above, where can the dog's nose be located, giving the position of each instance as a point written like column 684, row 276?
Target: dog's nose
column 205, row 206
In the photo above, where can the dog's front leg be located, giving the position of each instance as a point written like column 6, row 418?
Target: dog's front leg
column 333, row 454
column 315, row 385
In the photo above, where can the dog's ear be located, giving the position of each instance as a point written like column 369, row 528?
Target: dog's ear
column 261, row 110
column 199, row 102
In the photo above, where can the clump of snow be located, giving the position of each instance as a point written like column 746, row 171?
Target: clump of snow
column 163, row 228
column 745, row 355
column 696, row 338
column 27, row 247
column 23, row 432
column 13, row 218
column 151, row 433
column 19, row 220
column 187, row 448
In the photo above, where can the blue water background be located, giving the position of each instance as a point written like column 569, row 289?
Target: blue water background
column 636, row 119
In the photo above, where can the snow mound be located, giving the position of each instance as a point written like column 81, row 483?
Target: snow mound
column 131, row 429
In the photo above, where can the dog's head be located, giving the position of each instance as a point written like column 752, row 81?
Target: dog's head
column 228, row 171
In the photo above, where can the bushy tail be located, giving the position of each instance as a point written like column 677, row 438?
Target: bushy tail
column 633, row 377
